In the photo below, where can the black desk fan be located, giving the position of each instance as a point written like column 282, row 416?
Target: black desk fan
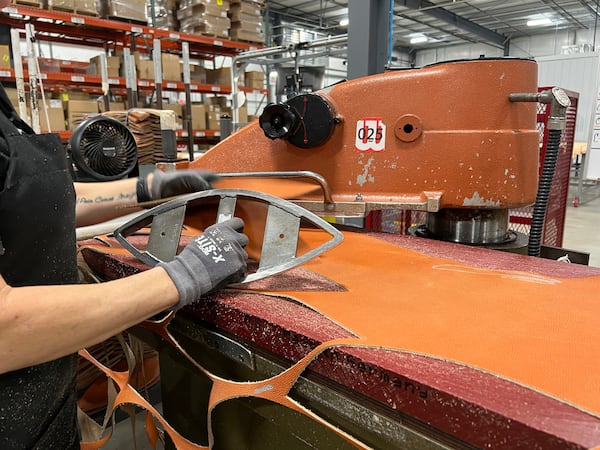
column 103, row 149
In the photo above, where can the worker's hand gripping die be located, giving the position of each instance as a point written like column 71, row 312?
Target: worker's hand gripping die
column 158, row 184
column 211, row 261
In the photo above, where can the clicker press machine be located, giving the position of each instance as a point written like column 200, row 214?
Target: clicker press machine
column 342, row 337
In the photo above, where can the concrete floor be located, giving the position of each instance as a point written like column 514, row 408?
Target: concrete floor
column 582, row 225
column 581, row 233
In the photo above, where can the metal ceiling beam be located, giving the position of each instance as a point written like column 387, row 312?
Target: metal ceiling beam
column 563, row 12
column 595, row 12
column 433, row 10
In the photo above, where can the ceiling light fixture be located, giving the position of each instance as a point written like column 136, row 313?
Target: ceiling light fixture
column 418, row 39
column 344, row 22
column 539, row 22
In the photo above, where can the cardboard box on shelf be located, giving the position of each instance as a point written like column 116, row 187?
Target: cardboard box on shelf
column 243, row 114
column 87, row 7
column 214, row 113
column 62, row 5
column 254, row 80
column 56, row 117
column 213, row 120
column 198, row 74
column 193, row 25
column 198, row 116
column 79, row 110
column 124, row 10
column 178, row 109
column 87, row 106
column 252, row 27
column 113, row 106
column 12, row 96
column 71, row 94
column 145, row 69
column 75, row 119
column 245, row 7
column 247, row 36
column 220, row 76
column 113, row 65
column 171, row 67
column 218, row 101
column 5, row 57
column 239, row 16
column 197, row 9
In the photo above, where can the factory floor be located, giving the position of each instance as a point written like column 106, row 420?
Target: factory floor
column 581, row 230
column 581, row 233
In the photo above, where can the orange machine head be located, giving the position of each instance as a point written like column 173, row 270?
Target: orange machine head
column 442, row 137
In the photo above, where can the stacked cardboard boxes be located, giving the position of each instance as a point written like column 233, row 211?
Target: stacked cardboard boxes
column 198, row 116
column 220, row 77
column 86, row 7
column 80, row 110
column 4, row 57
column 113, row 66
column 56, row 116
column 254, row 80
column 207, row 17
column 198, row 74
column 144, row 66
column 165, row 14
column 178, row 109
column 171, row 66
column 246, row 21
column 130, row 10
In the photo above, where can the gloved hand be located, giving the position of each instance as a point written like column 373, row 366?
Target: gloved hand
column 168, row 184
column 211, row 261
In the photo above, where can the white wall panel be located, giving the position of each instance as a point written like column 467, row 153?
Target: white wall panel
column 577, row 73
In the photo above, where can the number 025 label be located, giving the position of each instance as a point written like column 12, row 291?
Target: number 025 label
column 370, row 135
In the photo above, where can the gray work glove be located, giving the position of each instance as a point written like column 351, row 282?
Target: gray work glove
column 211, row 261
column 169, row 184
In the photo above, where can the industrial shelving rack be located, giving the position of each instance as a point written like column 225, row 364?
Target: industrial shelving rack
column 82, row 30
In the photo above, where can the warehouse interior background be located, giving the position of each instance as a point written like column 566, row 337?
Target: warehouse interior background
column 320, row 42
column 316, row 44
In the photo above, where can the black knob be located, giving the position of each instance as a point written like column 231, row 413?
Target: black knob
column 278, row 121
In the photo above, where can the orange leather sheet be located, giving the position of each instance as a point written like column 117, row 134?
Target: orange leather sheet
column 535, row 326
column 537, row 330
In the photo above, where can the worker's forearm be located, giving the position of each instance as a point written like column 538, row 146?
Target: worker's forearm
column 98, row 202
column 41, row 323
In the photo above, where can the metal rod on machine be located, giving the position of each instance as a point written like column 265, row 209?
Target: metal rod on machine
column 290, row 174
column 558, row 102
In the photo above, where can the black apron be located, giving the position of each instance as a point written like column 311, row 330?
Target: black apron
column 37, row 247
